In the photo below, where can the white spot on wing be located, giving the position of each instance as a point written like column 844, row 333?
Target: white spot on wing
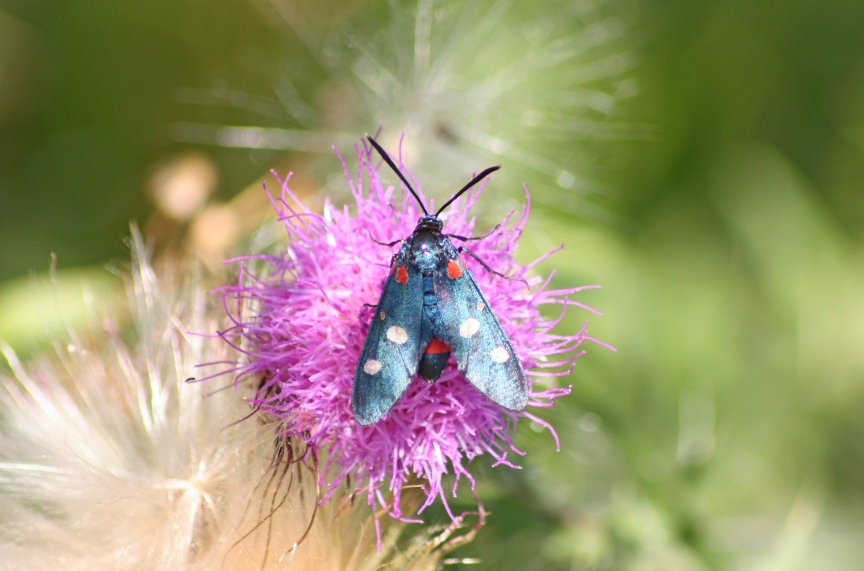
column 397, row 335
column 372, row 367
column 500, row 355
column 469, row 327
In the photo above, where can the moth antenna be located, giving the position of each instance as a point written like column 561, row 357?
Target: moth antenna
column 393, row 166
column 474, row 181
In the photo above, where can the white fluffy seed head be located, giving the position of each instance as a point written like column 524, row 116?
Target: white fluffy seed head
column 142, row 470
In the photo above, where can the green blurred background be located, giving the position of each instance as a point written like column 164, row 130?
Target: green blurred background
column 721, row 210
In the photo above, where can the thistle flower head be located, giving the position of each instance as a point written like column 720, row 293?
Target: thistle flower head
column 303, row 316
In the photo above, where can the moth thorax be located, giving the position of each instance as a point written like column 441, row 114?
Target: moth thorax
column 426, row 250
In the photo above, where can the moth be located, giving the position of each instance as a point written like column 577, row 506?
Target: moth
column 431, row 307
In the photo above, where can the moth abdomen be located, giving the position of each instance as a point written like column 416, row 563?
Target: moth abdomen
column 434, row 360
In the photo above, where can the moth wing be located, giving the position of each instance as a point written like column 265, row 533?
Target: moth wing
column 391, row 352
column 479, row 344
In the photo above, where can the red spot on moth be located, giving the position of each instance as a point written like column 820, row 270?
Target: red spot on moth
column 436, row 347
column 453, row 270
column 402, row 275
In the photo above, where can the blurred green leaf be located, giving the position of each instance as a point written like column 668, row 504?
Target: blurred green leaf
column 37, row 310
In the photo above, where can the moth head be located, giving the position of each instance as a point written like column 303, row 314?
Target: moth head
column 430, row 222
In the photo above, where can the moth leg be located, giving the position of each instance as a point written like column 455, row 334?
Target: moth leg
column 488, row 269
column 483, row 237
column 387, row 244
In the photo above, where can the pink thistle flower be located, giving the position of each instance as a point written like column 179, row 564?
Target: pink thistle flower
column 302, row 321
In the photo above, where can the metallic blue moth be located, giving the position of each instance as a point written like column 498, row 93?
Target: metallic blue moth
column 431, row 307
